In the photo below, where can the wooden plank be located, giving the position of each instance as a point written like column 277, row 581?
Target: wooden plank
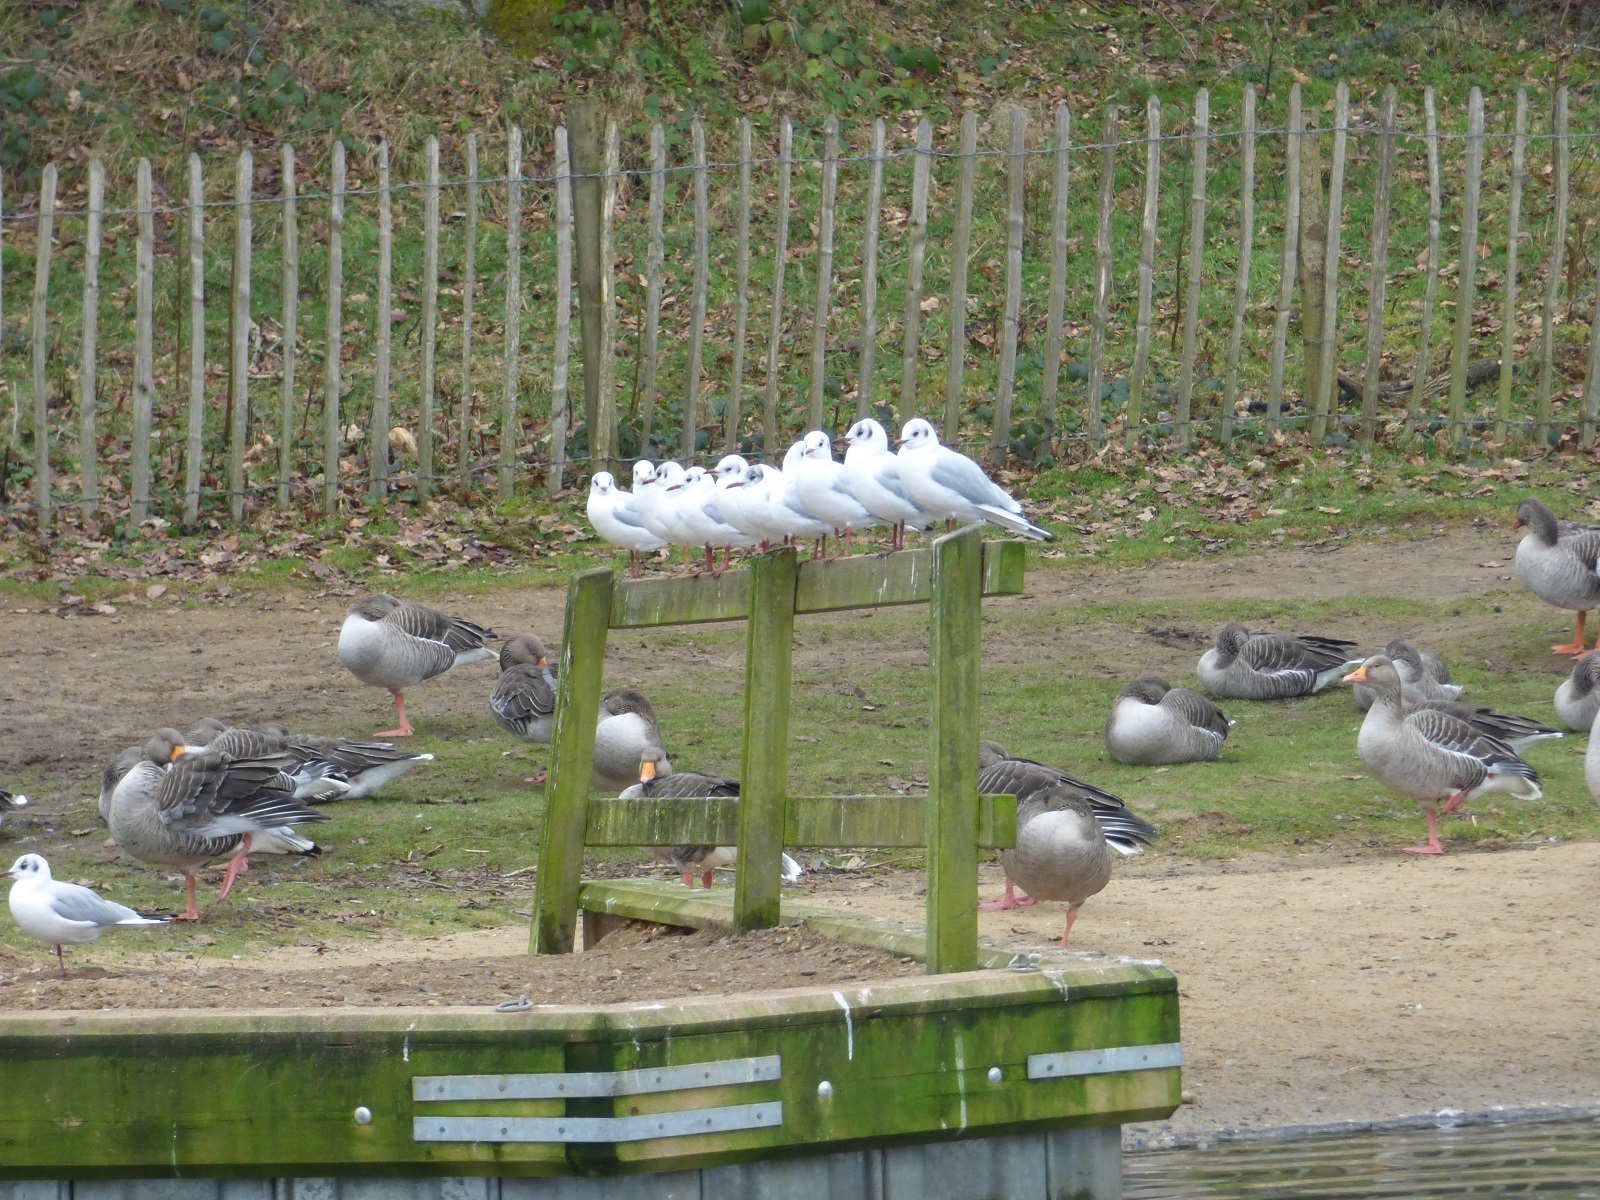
column 960, row 252
column 780, row 255
column 1290, row 260
column 879, row 822
column 378, row 435
column 764, row 758
column 1147, row 268
column 1011, row 315
column 505, row 477
column 144, row 384
column 44, row 245
column 1508, row 340
column 917, row 259
column 697, row 302
column 1380, row 272
column 655, row 258
column 819, row 317
column 583, row 652
column 1431, row 286
column 430, row 315
column 603, row 452
column 239, row 334
column 1102, row 276
column 741, row 291
column 561, row 353
column 869, row 271
column 1195, row 274
column 333, row 425
column 1467, row 269
column 88, row 368
column 291, row 323
column 469, row 269
column 1056, row 315
column 194, row 450
column 1246, row 247
column 1326, row 412
column 955, row 635
column 1560, row 149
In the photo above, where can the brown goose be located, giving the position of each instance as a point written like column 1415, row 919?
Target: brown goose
column 626, row 730
column 1558, row 561
column 1272, row 666
column 524, row 698
column 182, row 808
column 1578, row 697
column 692, row 860
column 1153, row 723
column 1423, row 674
column 395, row 644
column 1432, row 756
column 1061, row 851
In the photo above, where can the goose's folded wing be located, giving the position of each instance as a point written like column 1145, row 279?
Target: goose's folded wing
column 1586, row 547
column 522, row 694
column 691, row 784
column 1276, row 653
column 1196, row 710
column 1451, row 734
column 420, row 621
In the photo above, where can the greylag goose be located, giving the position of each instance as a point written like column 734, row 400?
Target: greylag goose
column 396, row 644
column 1272, row 666
column 626, row 730
column 1000, row 774
column 314, row 778
column 11, row 802
column 324, row 768
column 1517, row 732
column 1591, row 759
column 693, row 860
column 1432, row 756
column 1578, row 697
column 178, row 807
column 1153, row 723
column 524, row 698
column 1061, row 852
column 1558, row 560
column 1422, row 673
column 63, row 913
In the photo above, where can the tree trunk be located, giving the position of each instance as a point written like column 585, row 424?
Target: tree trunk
column 1313, row 255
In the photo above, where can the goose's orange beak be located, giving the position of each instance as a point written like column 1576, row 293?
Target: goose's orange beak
column 1516, row 522
column 177, row 753
column 1359, row 675
column 647, row 772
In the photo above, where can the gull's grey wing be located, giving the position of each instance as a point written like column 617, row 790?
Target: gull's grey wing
column 74, row 903
column 966, row 478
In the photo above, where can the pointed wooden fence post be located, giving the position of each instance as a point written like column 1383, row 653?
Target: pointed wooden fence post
column 697, row 299
column 469, row 267
column 430, row 317
column 1241, row 287
column 194, row 451
column 378, row 435
column 780, row 255
column 560, row 360
column 819, row 323
column 1147, row 268
column 1290, row 261
column 291, row 324
column 959, row 252
column 1058, row 283
column 239, row 334
column 917, row 252
column 1508, row 344
column 583, row 653
column 332, row 425
column 43, row 244
column 1560, row 147
column 956, row 624
column 1184, row 395
column 88, row 371
column 741, row 293
column 505, row 476
column 1431, row 286
column 1325, row 406
column 764, row 764
column 1467, row 270
column 1093, row 407
column 1000, row 439
column 144, row 384
column 1380, row 275
column 869, row 272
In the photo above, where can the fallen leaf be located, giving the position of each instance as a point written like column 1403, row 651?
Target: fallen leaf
column 156, row 590
column 1490, row 565
column 1332, row 512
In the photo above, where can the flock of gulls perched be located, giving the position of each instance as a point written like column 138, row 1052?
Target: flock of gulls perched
column 218, row 791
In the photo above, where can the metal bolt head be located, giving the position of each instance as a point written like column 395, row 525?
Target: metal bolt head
column 363, row 1115
column 996, row 1074
column 825, row 1090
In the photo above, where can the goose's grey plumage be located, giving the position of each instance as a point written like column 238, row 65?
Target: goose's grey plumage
column 396, row 644
column 1515, row 731
column 1422, row 673
column 363, row 766
column 314, row 779
column 1432, row 756
column 182, row 808
column 1560, row 563
column 524, row 698
column 1060, row 854
column 690, row 861
column 1272, row 666
column 626, row 729
column 1153, row 723
column 58, row 912
column 999, row 774
column 1591, row 759
column 1578, row 697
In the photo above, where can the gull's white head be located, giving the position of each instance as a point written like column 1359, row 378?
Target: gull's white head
column 694, row 475
column 818, row 446
column 644, row 473
column 602, row 484
column 791, row 457
column 756, row 475
column 731, row 465
column 867, row 432
column 917, row 434
column 29, row 866
column 670, row 475
column 735, row 479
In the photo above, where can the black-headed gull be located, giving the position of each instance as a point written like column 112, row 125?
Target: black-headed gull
column 872, row 472
column 819, row 481
column 63, row 913
column 948, row 483
column 10, row 802
column 701, row 517
column 612, row 513
column 789, row 511
column 396, row 644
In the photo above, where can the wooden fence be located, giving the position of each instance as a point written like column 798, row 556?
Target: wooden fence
column 332, row 336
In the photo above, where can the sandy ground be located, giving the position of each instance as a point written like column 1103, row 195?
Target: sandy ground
column 1314, row 988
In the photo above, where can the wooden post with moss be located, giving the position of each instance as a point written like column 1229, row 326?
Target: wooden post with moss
column 764, row 763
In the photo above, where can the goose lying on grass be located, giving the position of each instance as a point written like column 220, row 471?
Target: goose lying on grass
column 1272, row 666
column 1153, row 723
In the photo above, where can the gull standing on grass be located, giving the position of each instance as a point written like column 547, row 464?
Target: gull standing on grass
column 612, row 513
column 63, row 913
column 950, row 485
column 395, row 644
column 821, row 484
column 872, row 472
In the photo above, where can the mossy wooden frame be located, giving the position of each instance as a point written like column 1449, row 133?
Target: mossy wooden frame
column 952, row 577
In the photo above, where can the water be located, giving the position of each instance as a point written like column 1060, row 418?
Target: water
column 1554, row 1160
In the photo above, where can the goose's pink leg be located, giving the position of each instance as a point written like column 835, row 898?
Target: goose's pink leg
column 1576, row 648
column 1433, row 846
column 192, row 913
column 1010, row 900
column 1072, row 915
column 237, row 865
column 405, row 729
